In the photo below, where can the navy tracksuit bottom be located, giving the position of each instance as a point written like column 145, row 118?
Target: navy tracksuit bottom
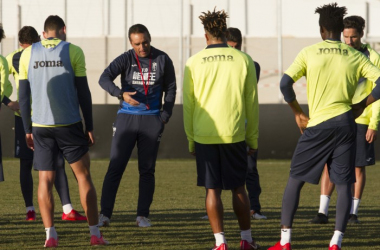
column 252, row 183
column 129, row 130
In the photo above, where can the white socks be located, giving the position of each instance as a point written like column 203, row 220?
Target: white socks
column 324, row 204
column 286, row 236
column 67, row 208
column 219, row 239
column 51, row 233
column 94, row 230
column 337, row 239
column 355, row 206
column 246, row 235
column 31, row 208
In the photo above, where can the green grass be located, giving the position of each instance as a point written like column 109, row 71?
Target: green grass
column 176, row 210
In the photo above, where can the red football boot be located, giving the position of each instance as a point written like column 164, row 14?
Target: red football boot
column 278, row 246
column 223, row 246
column 31, row 215
column 245, row 245
column 334, row 247
column 73, row 216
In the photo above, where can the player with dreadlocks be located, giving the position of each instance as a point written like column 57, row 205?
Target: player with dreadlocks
column 220, row 95
column 332, row 70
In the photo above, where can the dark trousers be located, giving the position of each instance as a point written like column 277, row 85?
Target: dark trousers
column 129, row 130
column 253, row 183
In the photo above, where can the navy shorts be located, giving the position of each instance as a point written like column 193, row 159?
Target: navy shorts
column 49, row 142
column 221, row 166
column 332, row 142
column 365, row 152
column 21, row 149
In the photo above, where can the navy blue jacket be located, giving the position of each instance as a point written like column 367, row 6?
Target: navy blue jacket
column 162, row 80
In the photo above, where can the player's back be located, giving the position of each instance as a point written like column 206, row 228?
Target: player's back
column 332, row 70
column 220, row 76
column 49, row 67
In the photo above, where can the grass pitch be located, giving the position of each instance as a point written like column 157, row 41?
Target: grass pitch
column 176, row 210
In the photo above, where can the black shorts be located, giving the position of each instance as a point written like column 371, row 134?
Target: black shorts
column 50, row 141
column 332, row 142
column 21, row 149
column 365, row 152
column 221, row 165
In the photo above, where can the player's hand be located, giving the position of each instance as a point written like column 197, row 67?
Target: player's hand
column 164, row 122
column 192, row 153
column 128, row 99
column 371, row 135
column 358, row 108
column 302, row 120
column 29, row 141
column 251, row 151
column 91, row 138
column 14, row 106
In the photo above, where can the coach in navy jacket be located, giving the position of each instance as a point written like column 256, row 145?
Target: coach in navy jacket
column 146, row 75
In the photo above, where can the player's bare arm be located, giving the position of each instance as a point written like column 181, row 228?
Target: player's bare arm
column 286, row 86
column 301, row 118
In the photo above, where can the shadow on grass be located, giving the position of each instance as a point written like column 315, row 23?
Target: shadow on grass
column 184, row 227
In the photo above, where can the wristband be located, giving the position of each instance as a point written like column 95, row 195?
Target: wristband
column 120, row 96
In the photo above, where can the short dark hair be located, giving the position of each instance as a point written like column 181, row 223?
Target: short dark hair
column 331, row 17
column 234, row 35
column 138, row 28
column 215, row 23
column 53, row 23
column 354, row 22
column 28, row 35
column 2, row 34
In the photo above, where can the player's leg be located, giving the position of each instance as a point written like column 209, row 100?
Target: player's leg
column 234, row 165
column 26, row 183
column 312, row 152
column 253, row 187
column 290, row 203
column 25, row 155
column 45, row 151
column 123, row 142
column 205, row 217
column 209, row 176
column 45, row 197
column 214, row 208
column 365, row 156
column 342, row 173
column 357, row 192
column 73, row 144
column 87, row 192
column 327, row 188
column 343, row 206
column 241, row 206
column 358, row 186
column 148, row 141
column 62, row 186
